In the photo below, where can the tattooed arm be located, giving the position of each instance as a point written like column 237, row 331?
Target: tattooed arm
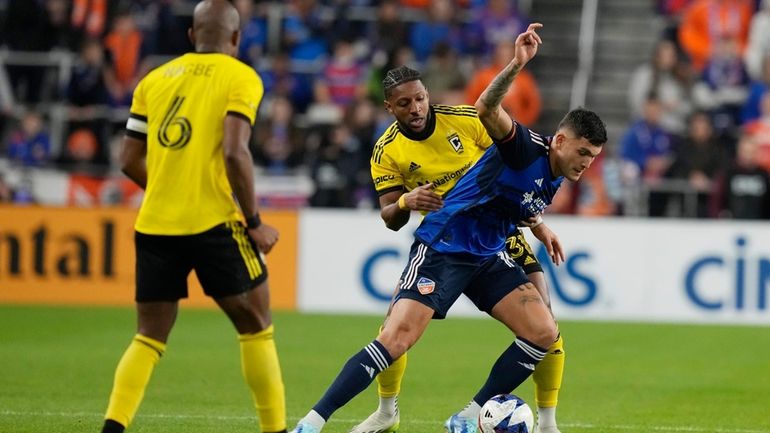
column 497, row 122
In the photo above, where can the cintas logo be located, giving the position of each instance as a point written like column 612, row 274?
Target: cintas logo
column 45, row 251
column 736, row 281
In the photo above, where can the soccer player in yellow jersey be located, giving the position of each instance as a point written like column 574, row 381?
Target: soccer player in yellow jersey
column 416, row 161
column 186, row 144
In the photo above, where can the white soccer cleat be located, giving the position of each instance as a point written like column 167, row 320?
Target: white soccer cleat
column 378, row 422
column 550, row 429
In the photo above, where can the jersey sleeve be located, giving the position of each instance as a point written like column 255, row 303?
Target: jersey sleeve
column 483, row 140
column 521, row 147
column 386, row 175
column 245, row 95
column 136, row 126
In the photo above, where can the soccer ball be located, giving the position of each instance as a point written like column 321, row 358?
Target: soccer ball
column 506, row 413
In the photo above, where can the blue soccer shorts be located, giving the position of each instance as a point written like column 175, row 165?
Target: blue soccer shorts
column 438, row 279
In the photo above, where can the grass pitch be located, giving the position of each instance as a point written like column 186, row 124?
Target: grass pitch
column 56, row 367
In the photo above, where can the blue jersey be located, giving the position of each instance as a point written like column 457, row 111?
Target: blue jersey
column 510, row 183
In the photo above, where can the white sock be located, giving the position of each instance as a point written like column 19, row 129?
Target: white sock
column 471, row 410
column 388, row 405
column 314, row 419
column 546, row 416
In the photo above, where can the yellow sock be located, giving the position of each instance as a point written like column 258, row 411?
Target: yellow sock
column 389, row 380
column 262, row 371
column 548, row 374
column 131, row 378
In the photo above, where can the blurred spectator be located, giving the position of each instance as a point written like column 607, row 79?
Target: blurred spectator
column 58, row 18
column 646, row 150
column 672, row 11
column 417, row 4
column 30, row 145
column 442, row 76
column 705, row 22
column 331, row 167
column 89, row 17
column 278, row 139
column 124, row 44
column 253, row 32
column 279, row 80
column 388, row 32
column 699, row 158
column 362, row 118
column 742, row 191
column 381, row 64
column 83, row 153
column 438, row 27
column 87, row 85
column 757, row 90
column 304, row 31
column 495, row 22
column 161, row 29
column 758, row 130
column 6, row 102
column 669, row 78
column 758, row 48
column 87, row 94
column 343, row 78
column 723, row 87
column 27, row 28
column 523, row 99
column 6, row 191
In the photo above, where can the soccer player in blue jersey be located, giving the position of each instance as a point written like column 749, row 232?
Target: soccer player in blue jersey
column 460, row 248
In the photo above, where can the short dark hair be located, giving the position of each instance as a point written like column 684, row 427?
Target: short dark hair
column 586, row 124
column 398, row 76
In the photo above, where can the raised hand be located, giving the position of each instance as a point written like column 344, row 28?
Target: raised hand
column 527, row 43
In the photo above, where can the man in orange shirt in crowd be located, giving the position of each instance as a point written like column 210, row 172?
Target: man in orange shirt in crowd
column 706, row 21
column 522, row 101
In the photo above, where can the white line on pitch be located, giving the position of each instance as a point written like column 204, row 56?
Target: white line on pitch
column 581, row 426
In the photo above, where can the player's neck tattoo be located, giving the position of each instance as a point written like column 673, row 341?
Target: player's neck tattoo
column 493, row 95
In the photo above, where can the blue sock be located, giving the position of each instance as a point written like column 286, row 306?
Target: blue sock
column 512, row 368
column 355, row 376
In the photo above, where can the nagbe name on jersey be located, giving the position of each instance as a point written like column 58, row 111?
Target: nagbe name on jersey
column 197, row 69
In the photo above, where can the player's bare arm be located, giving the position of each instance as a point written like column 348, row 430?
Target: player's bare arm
column 240, row 173
column 133, row 153
column 551, row 242
column 396, row 205
column 497, row 122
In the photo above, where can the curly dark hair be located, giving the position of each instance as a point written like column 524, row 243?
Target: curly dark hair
column 586, row 124
column 398, row 76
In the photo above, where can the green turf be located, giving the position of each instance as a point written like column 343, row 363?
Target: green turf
column 56, row 367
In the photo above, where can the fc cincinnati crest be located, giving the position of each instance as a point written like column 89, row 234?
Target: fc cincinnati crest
column 425, row 285
column 456, row 143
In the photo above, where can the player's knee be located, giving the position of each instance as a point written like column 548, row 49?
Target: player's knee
column 544, row 333
column 397, row 341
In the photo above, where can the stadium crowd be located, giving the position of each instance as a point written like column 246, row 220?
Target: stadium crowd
column 700, row 107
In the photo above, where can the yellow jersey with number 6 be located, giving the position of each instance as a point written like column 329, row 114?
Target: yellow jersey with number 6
column 179, row 109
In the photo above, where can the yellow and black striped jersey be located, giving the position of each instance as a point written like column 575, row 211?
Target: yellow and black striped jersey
column 179, row 108
column 452, row 141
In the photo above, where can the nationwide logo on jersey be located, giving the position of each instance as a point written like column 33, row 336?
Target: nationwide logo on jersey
column 413, row 166
column 456, row 143
column 425, row 285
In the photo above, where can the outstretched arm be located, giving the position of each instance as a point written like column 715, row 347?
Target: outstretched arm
column 497, row 122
